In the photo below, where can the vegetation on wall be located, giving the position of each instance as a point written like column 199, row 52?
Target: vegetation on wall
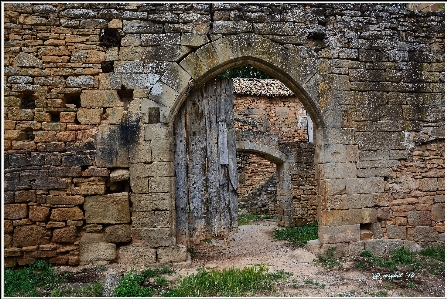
column 246, row 71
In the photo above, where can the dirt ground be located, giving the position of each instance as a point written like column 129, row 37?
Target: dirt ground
column 253, row 244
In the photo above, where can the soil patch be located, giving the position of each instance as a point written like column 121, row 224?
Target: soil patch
column 253, row 244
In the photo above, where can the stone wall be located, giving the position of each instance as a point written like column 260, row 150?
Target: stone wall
column 266, row 105
column 91, row 90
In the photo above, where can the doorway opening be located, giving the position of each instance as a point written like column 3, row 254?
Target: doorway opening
column 240, row 130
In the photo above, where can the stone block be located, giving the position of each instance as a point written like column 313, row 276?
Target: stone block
column 61, row 214
column 67, row 117
column 115, row 115
column 351, row 201
column 383, row 213
column 110, row 208
column 117, row 233
column 27, row 60
column 29, row 235
column 93, row 228
column 137, row 255
column 15, row 211
column 333, row 153
column 419, row 218
column 366, row 234
column 65, row 235
column 337, row 170
column 94, row 252
column 161, row 184
column 64, row 199
column 141, row 153
column 100, row 99
column 348, row 217
column 139, row 185
column 151, row 219
column 376, row 247
column 339, row 234
column 7, row 240
column 172, row 254
column 150, row 202
column 81, row 81
column 396, row 232
column 7, row 226
column 155, row 237
column 25, row 196
column 38, row 213
column 438, row 212
column 89, row 186
column 109, row 81
column 428, row 184
column 365, row 185
column 89, row 116
column 334, row 186
column 53, row 224
column 118, row 175
column 425, row 234
column 88, row 238
column 8, row 252
column 96, row 171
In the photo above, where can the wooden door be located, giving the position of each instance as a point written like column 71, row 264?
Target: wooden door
column 205, row 164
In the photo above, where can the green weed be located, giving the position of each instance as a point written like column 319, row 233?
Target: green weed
column 245, row 219
column 130, row 286
column 90, row 290
column 147, row 284
column 430, row 259
column 227, row 282
column 297, row 235
column 382, row 294
column 33, row 280
column 328, row 259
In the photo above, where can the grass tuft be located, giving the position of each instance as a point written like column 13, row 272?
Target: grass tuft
column 297, row 235
column 231, row 282
column 245, row 219
column 33, row 280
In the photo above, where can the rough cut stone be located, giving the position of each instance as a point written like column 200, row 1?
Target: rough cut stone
column 37, row 213
column 339, row 234
column 419, row 218
column 60, row 214
column 438, row 212
column 100, row 98
column 137, row 255
column 29, row 235
column 65, row 235
column 118, row 175
column 425, row 234
column 15, row 211
column 110, row 208
column 396, row 232
column 94, row 252
column 172, row 254
column 118, row 233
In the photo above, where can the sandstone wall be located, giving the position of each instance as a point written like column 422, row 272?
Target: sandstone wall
column 91, row 89
column 268, row 106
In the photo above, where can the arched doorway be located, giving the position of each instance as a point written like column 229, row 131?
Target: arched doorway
column 212, row 59
column 205, row 146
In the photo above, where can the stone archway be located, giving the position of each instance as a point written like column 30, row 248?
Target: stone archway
column 227, row 52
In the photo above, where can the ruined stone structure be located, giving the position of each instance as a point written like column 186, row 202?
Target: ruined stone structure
column 266, row 106
column 91, row 92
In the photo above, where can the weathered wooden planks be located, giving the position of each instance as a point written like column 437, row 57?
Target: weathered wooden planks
column 205, row 164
